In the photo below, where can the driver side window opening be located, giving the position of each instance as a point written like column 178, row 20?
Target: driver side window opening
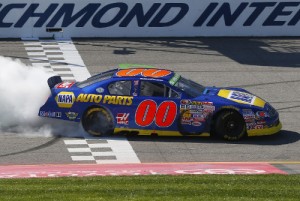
column 120, row 88
column 154, row 89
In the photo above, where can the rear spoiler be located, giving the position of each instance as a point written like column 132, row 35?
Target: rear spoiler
column 54, row 80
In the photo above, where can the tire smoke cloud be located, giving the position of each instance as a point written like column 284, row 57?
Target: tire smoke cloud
column 23, row 90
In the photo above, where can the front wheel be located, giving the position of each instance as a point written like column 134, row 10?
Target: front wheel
column 229, row 125
column 98, row 122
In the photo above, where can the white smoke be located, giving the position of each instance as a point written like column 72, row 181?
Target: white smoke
column 23, row 90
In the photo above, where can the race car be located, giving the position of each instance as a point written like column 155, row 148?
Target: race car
column 144, row 100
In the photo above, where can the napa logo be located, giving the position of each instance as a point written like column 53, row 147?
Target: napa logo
column 65, row 99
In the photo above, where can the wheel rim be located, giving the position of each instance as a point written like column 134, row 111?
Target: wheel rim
column 230, row 125
column 96, row 123
column 233, row 126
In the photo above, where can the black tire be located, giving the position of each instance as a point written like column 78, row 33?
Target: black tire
column 98, row 122
column 229, row 125
column 54, row 80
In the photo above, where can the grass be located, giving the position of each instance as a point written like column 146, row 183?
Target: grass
column 182, row 187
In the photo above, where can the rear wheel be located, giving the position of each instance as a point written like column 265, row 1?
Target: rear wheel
column 229, row 125
column 98, row 122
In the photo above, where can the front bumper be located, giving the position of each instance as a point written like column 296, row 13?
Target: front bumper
column 265, row 131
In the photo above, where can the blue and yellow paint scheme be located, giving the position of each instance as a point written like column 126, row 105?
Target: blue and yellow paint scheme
column 177, row 112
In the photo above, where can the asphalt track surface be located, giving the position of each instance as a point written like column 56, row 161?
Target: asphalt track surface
column 268, row 67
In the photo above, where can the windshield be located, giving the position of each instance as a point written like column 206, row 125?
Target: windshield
column 96, row 78
column 190, row 87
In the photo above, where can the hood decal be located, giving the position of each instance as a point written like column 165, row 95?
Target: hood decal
column 242, row 97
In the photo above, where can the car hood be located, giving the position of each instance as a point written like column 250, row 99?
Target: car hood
column 236, row 95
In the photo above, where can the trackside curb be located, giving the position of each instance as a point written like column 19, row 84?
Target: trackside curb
column 83, row 170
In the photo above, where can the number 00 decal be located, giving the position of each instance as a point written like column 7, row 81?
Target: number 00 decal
column 164, row 115
column 157, row 73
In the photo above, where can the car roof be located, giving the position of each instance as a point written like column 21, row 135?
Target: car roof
column 144, row 73
column 133, row 72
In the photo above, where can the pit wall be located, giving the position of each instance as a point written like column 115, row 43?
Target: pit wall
column 151, row 18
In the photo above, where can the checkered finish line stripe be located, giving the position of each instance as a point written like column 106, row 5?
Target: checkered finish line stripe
column 57, row 56
column 102, row 151
column 61, row 57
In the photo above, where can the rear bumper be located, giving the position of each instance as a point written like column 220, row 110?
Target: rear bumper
column 265, row 131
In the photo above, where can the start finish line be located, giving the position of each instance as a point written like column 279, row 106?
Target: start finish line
column 84, row 170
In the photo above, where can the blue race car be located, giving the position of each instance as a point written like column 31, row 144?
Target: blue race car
column 151, row 101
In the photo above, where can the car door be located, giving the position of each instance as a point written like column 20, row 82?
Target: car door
column 119, row 101
column 157, row 106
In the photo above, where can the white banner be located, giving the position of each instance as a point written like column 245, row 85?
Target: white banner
column 151, row 18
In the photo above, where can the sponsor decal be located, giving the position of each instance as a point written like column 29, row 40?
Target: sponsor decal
column 153, row 14
column 248, row 115
column 100, row 90
column 251, row 125
column 241, row 97
column 261, row 122
column 107, row 99
column 152, row 73
column 92, row 98
column 185, row 102
column 118, row 100
column 197, row 105
column 65, row 99
column 261, row 115
column 256, row 125
column 195, row 112
column 50, row 114
column 196, row 123
column 259, row 127
column 123, row 118
column 71, row 115
column 174, row 79
column 65, row 85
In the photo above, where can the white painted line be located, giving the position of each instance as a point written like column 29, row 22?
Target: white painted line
column 73, row 58
column 83, row 158
column 40, row 64
column 51, row 46
column 32, row 43
column 36, row 57
column 36, row 53
column 47, row 51
column 56, row 56
column 79, row 150
column 118, row 161
column 103, row 154
column 98, row 145
column 75, row 142
column 34, row 49
column 60, row 67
